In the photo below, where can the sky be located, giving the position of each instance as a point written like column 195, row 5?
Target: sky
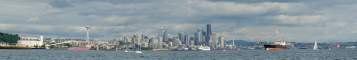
column 297, row 20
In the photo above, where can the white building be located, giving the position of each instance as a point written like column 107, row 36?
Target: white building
column 31, row 41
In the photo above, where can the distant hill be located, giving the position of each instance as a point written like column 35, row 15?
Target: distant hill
column 9, row 38
column 241, row 43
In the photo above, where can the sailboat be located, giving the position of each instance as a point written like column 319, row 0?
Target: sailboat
column 126, row 46
column 315, row 46
column 138, row 51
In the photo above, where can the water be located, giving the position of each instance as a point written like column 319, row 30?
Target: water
column 340, row 54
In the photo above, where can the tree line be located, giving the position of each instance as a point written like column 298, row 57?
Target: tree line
column 9, row 38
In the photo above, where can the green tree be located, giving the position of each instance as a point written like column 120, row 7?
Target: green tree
column 9, row 38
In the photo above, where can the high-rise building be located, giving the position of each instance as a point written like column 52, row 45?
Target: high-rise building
column 181, row 37
column 208, row 34
column 192, row 40
column 203, row 40
column 213, row 41
column 198, row 38
column 144, row 40
column 159, row 43
column 164, row 36
column 221, row 39
column 152, row 43
column 187, row 40
column 135, row 40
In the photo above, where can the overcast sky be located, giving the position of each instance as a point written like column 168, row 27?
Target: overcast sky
column 298, row 20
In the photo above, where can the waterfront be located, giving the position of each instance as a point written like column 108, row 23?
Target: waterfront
column 337, row 54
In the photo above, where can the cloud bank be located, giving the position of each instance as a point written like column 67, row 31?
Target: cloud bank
column 298, row 20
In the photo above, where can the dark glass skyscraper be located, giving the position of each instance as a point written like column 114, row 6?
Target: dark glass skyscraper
column 208, row 34
column 198, row 35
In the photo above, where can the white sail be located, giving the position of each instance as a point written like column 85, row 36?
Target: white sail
column 315, row 46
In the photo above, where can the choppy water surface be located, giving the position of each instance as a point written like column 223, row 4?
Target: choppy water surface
column 340, row 54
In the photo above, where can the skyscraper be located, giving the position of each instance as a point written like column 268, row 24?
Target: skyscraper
column 198, row 37
column 164, row 36
column 187, row 40
column 181, row 38
column 159, row 43
column 213, row 41
column 208, row 34
column 135, row 40
column 221, row 39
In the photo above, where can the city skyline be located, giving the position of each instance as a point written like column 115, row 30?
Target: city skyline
column 298, row 20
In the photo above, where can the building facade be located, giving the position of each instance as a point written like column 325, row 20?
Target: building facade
column 31, row 41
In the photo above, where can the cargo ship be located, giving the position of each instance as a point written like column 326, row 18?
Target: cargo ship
column 279, row 45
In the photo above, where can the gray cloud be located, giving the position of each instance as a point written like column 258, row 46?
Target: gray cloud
column 299, row 20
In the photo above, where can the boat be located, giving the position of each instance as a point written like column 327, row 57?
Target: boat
column 338, row 45
column 139, row 49
column 160, row 49
column 126, row 46
column 138, row 52
column 279, row 45
column 126, row 51
column 351, row 47
column 315, row 46
column 204, row 48
column 185, row 49
column 181, row 48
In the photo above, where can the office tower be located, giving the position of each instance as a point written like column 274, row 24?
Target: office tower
column 181, row 38
column 135, row 40
column 164, row 36
column 203, row 40
column 213, row 41
column 208, row 34
column 159, row 43
column 186, row 39
column 197, row 38
column 221, row 39
column 141, row 40
column 151, row 43
column 144, row 40
column 192, row 40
